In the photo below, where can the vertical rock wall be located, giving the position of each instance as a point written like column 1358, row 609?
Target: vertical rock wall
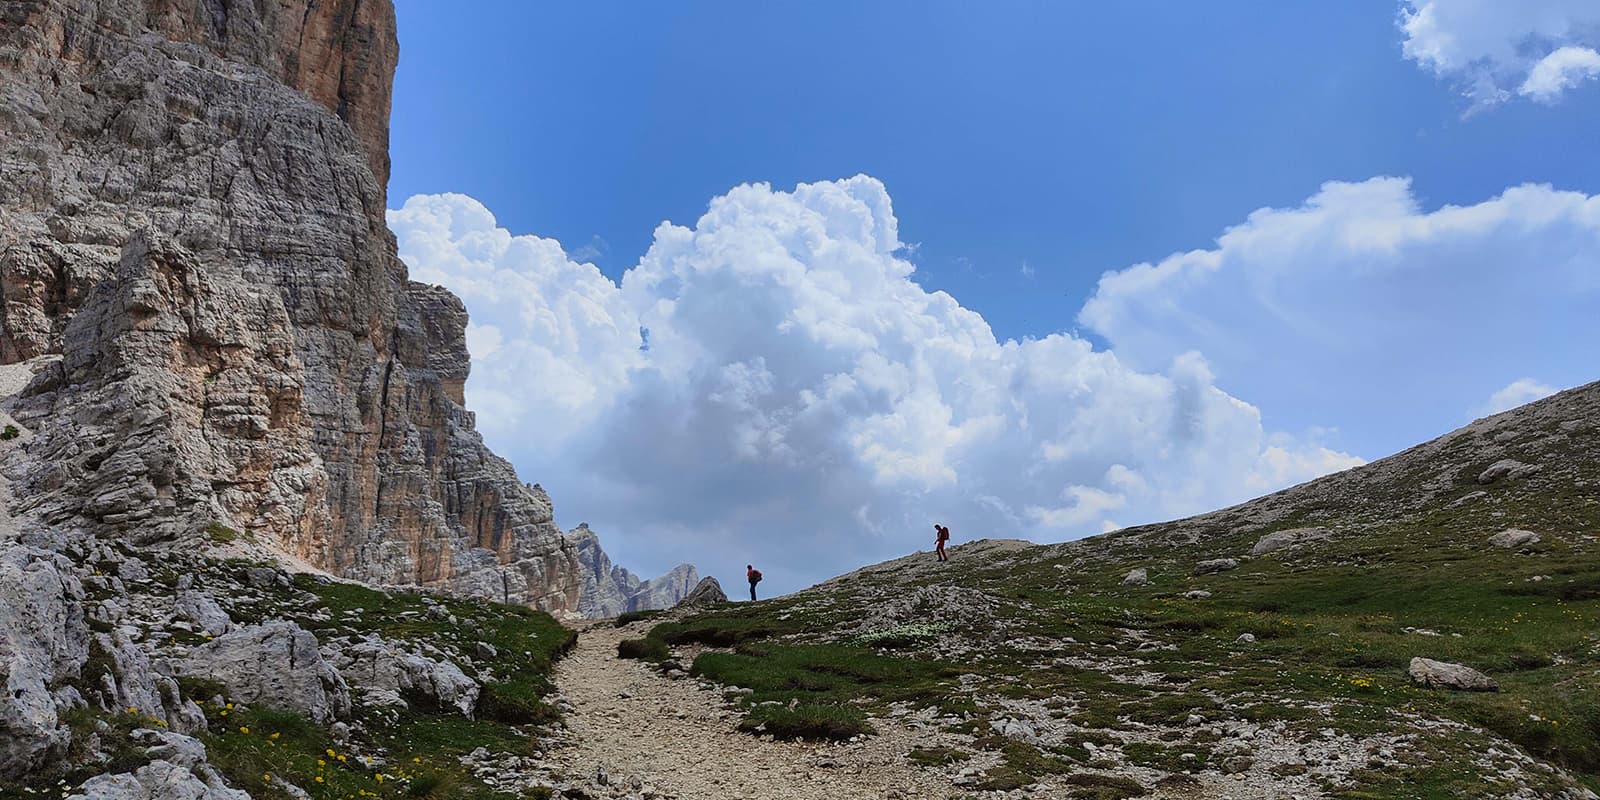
column 193, row 247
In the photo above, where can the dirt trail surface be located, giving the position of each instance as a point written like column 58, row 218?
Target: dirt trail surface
column 672, row 738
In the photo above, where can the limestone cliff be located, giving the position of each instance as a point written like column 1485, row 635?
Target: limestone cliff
column 609, row 590
column 194, row 259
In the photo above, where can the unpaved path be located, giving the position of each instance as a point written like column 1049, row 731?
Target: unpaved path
column 655, row 736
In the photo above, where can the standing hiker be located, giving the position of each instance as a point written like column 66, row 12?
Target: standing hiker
column 942, row 535
column 754, row 576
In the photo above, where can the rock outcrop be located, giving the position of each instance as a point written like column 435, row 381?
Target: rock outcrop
column 1283, row 540
column 277, row 665
column 43, row 642
column 707, row 592
column 178, row 771
column 193, row 246
column 609, row 590
column 378, row 665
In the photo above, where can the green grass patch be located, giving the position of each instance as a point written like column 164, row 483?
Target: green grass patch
column 646, row 649
column 222, row 534
column 628, row 617
column 936, row 756
column 819, row 721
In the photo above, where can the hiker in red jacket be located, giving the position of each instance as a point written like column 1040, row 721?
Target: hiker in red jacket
column 943, row 535
column 754, row 576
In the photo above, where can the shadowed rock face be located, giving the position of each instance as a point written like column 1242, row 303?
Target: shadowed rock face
column 192, row 224
column 610, row 590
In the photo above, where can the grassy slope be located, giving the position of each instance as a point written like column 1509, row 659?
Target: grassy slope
column 1133, row 663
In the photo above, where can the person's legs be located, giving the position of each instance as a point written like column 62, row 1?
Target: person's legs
column 940, row 551
column 752, row 593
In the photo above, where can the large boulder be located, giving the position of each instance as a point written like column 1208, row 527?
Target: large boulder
column 1215, row 565
column 1282, row 540
column 707, row 592
column 1513, row 537
column 1444, row 675
column 44, row 641
column 386, row 667
column 200, row 609
column 1136, row 577
column 1507, row 469
column 277, row 665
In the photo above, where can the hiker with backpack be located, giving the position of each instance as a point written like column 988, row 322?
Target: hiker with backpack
column 754, row 576
column 942, row 535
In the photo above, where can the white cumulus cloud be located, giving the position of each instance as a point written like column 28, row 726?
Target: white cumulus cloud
column 1560, row 71
column 1518, row 392
column 770, row 385
column 1537, row 48
column 1359, row 308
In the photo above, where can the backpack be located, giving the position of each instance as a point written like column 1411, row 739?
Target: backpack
column 944, row 534
column 755, row 576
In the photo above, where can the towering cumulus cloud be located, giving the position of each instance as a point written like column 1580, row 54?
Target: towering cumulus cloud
column 772, row 384
column 1494, row 48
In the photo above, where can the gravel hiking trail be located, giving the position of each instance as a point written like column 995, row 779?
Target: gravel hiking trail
column 653, row 736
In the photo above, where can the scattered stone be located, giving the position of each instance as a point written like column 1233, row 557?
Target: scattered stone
column 1136, row 577
column 1196, row 594
column 1245, row 638
column 1470, row 497
column 1444, row 675
column 1513, row 537
column 485, row 650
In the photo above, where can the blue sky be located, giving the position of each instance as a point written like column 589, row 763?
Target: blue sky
column 1028, row 148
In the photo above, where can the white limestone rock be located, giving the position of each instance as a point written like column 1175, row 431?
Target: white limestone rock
column 1215, row 565
column 204, row 612
column 276, row 664
column 1285, row 539
column 1513, row 538
column 381, row 665
column 1507, row 469
column 43, row 641
column 1444, row 675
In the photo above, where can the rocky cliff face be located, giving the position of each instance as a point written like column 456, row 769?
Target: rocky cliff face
column 610, row 590
column 195, row 264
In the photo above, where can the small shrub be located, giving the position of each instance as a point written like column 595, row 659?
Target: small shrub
column 635, row 616
column 713, row 632
column 643, row 649
column 431, row 785
column 1104, row 787
column 503, row 702
column 914, row 634
column 9, row 433
column 937, row 755
column 222, row 534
